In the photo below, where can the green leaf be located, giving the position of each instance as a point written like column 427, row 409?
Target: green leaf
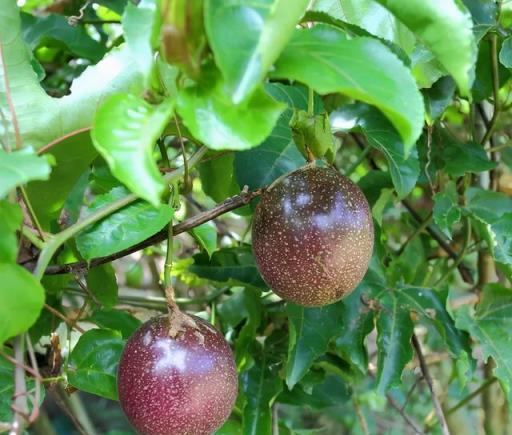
column 506, row 53
column 10, row 222
column 125, row 132
column 118, row 320
column 54, row 30
column 332, row 392
column 229, row 265
column 261, row 386
column 311, row 330
column 231, row 427
column 22, row 299
column 438, row 97
column 502, row 238
column 431, row 22
column 490, row 323
column 93, row 362
column 394, row 350
column 361, row 68
column 122, row 229
column 206, row 235
column 221, row 125
column 466, row 157
column 382, row 136
column 357, row 323
column 20, row 167
column 371, row 18
column 56, row 117
column 446, row 209
column 250, row 305
column 487, row 205
column 217, row 177
column 141, row 25
column 262, row 29
column 431, row 305
column 278, row 154
column 102, row 283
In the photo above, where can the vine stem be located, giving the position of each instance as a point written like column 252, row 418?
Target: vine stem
column 495, row 89
column 56, row 241
column 229, row 204
column 428, row 379
column 471, row 396
column 20, row 405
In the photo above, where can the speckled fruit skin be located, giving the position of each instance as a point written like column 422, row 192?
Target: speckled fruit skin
column 183, row 386
column 312, row 236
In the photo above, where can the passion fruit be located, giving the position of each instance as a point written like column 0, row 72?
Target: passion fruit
column 312, row 236
column 185, row 385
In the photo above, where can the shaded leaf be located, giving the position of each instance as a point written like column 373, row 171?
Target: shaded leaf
column 382, row 136
column 10, row 222
column 438, row 97
column 20, row 167
column 118, row 320
column 93, row 362
column 22, row 299
column 229, row 265
column 278, row 154
column 431, row 305
column 262, row 27
column 446, row 209
column 362, row 68
column 357, row 323
column 394, row 350
column 102, row 283
column 51, row 30
column 261, row 386
column 221, row 125
column 311, row 330
column 431, row 21
column 333, row 391
column 466, row 157
column 122, row 229
column 125, row 132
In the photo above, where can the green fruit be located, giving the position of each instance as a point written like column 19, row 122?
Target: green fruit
column 312, row 236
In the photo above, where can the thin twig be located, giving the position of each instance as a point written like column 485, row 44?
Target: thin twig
column 428, row 379
column 228, row 205
column 66, row 320
column 49, row 145
column 360, row 415
column 471, row 396
column 10, row 103
column 412, row 424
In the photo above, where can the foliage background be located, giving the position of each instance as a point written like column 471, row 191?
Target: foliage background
column 409, row 98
